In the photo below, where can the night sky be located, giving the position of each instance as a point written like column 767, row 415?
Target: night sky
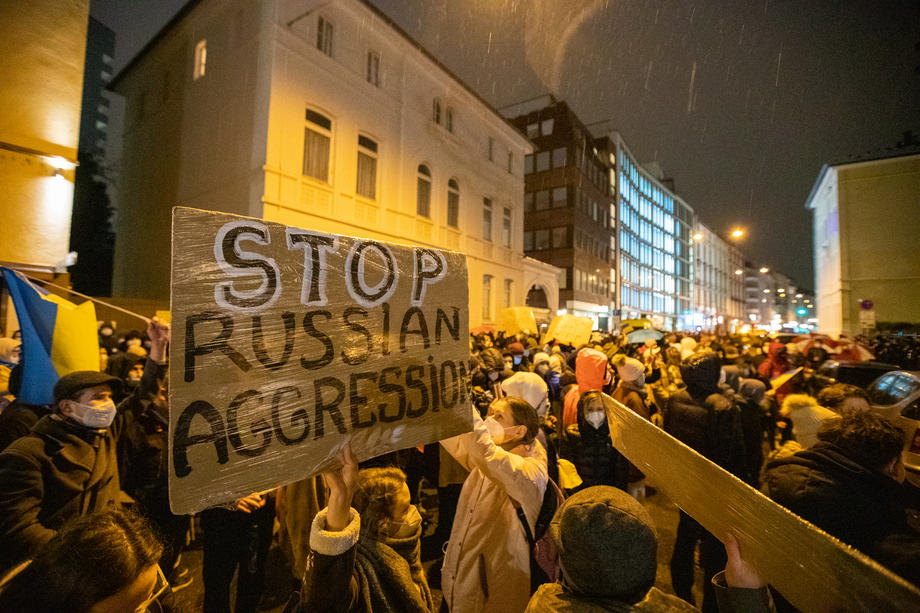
column 741, row 103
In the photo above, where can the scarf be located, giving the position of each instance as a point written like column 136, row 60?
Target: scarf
column 390, row 575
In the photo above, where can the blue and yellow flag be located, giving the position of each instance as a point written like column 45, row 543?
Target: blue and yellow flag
column 58, row 337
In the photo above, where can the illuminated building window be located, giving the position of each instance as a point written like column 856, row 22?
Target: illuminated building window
column 533, row 130
column 201, row 59
column 423, row 197
column 506, row 227
column 324, row 33
column 560, row 197
column 317, row 145
column 487, row 297
column 528, row 240
column 509, row 286
column 542, row 161
column 373, row 68
column 453, row 203
column 486, row 219
column 436, row 111
column 560, row 237
column 367, row 168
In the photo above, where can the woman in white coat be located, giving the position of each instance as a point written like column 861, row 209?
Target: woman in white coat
column 487, row 562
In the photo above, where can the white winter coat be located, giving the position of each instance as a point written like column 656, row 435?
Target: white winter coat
column 487, row 562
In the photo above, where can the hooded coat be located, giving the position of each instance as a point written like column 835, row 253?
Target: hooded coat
column 487, row 562
column 590, row 374
column 859, row 506
column 591, row 451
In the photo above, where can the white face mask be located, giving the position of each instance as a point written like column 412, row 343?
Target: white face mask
column 496, row 430
column 94, row 416
column 409, row 526
column 595, row 418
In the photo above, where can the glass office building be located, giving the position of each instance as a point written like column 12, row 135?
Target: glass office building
column 654, row 234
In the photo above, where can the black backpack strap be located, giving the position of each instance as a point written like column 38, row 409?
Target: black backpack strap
column 520, row 513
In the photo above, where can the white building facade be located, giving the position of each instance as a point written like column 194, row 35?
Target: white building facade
column 718, row 282
column 319, row 115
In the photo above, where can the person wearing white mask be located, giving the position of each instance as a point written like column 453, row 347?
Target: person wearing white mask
column 67, row 465
column 487, row 562
column 64, row 468
column 588, row 447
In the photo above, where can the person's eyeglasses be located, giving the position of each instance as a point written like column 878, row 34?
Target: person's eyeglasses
column 158, row 588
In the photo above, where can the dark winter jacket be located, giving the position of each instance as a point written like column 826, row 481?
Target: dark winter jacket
column 861, row 507
column 17, row 420
column 59, row 471
column 593, row 454
column 711, row 425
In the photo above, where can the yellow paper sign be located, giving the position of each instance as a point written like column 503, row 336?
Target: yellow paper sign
column 569, row 329
column 515, row 320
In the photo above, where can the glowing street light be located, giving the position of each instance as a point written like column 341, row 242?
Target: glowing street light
column 698, row 236
column 764, row 270
column 739, row 271
column 737, row 233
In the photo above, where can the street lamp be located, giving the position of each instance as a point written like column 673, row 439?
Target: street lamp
column 698, row 236
column 739, row 271
column 764, row 270
column 737, row 233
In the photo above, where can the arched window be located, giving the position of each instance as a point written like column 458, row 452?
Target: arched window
column 453, row 204
column 449, row 119
column 436, row 110
column 423, row 201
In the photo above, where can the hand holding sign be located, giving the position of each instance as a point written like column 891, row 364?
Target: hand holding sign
column 288, row 341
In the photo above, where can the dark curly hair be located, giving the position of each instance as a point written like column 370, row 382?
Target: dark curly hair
column 90, row 559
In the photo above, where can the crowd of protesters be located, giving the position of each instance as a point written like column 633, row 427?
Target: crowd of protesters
column 537, row 510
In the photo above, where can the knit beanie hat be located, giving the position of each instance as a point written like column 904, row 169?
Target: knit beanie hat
column 540, row 358
column 528, row 386
column 629, row 369
column 687, row 347
column 807, row 416
column 607, row 544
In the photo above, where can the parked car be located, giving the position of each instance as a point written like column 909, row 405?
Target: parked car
column 860, row 374
column 896, row 396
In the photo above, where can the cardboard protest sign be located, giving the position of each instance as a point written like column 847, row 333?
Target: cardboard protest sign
column 514, row 320
column 569, row 329
column 813, row 570
column 287, row 343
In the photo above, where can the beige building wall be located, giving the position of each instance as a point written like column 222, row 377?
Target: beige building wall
column 866, row 218
column 233, row 140
column 189, row 140
column 397, row 116
column 42, row 46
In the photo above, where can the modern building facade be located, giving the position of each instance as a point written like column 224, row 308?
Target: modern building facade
column 773, row 300
column 718, row 282
column 568, row 214
column 97, row 72
column 866, row 215
column 654, row 239
column 327, row 117
column 42, row 44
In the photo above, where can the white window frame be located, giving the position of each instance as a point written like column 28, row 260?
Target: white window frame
column 200, row 59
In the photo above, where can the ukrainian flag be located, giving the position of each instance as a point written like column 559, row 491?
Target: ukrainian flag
column 58, row 337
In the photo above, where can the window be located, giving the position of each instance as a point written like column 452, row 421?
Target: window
column 316, row 145
column 560, row 237
column 201, row 59
column 367, row 168
column 453, row 203
column 436, row 111
column 324, row 33
column 423, row 197
column 510, row 161
column 486, row 219
column 528, row 240
column 373, row 68
column 528, row 164
column 542, row 239
column 533, row 130
column 528, row 202
column 560, row 197
column 542, row 161
column 487, row 297
column 449, row 119
column 559, row 157
column 509, row 285
column 491, row 150
column 506, row 227
column 546, row 126
column 542, row 202
column 564, row 275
